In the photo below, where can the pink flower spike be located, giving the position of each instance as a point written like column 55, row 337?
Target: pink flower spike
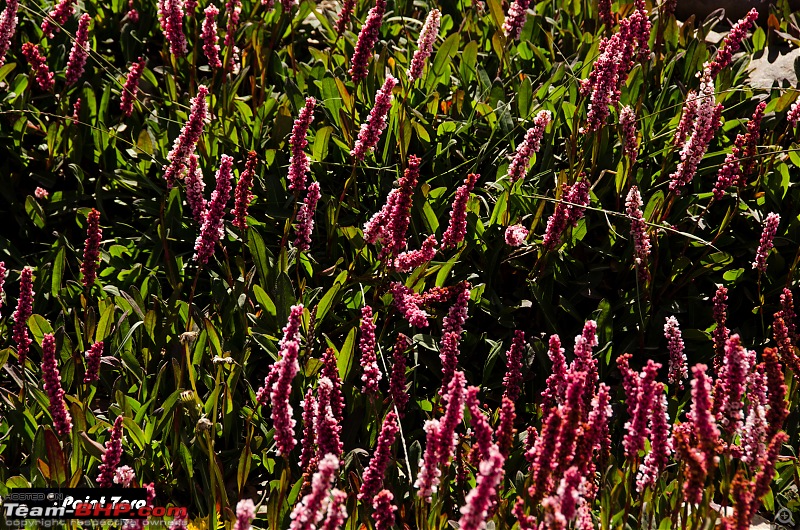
column 373, row 477
column 337, row 511
column 793, row 116
column 630, row 142
column 480, row 498
column 8, row 25
column 41, row 194
column 765, row 245
column 383, row 510
column 124, row 476
column 112, row 455
column 44, row 77
column 309, row 405
column 19, row 332
column 57, row 17
column 93, row 355
column 91, row 249
column 212, row 228
column 243, row 195
column 344, row 16
column 305, row 217
column 677, row 358
column 131, row 87
column 327, row 426
column 516, row 235
column 367, row 39
column 480, row 426
column 210, row 37
column 279, row 395
column 515, row 20
column 604, row 13
column 79, row 52
column 245, row 513
column 195, row 187
column 170, row 15
column 397, row 383
column 186, row 143
column 660, row 442
column 731, row 44
column 62, row 421
column 457, row 229
column 702, row 420
column 641, row 241
column 513, row 376
column 369, row 361
column 720, row 333
column 3, row 273
column 309, row 511
column 298, row 161
column 427, row 36
column 533, row 140
column 410, row 260
column 370, row 132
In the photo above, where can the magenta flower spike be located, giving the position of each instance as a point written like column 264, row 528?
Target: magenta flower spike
column 793, row 116
column 233, row 10
column 750, row 142
column 367, row 38
column 567, row 212
column 372, row 481
column 513, row 378
column 481, row 497
column 245, row 513
column 397, row 382
column 57, row 17
column 457, row 229
column 310, row 510
column 765, row 245
column 195, row 188
column 660, row 442
column 480, row 426
column 19, row 332
column 8, row 25
column 515, row 19
column 636, row 428
column 279, row 395
column 556, row 386
column 542, row 456
column 505, row 429
column 371, row 130
column 112, row 455
column 331, row 371
column 210, row 37
column 568, row 492
column 383, row 510
column 630, row 141
column 170, row 15
column 327, row 426
column 408, row 303
column 730, row 385
column 604, row 13
column 720, row 333
column 411, row 259
column 641, row 241
column 305, row 217
column 93, row 356
column 309, row 405
column 44, row 77
column 3, row 273
column 91, row 249
column 706, row 122
column 79, row 52
column 298, row 161
column 291, row 333
column 731, row 44
column 516, row 235
column 337, row 511
column 369, row 361
column 427, row 36
column 131, row 87
column 787, row 310
column 678, row 370
column 533, row 141
column 124, row 476
column 212, row 228
column 186, row 143
column 702, row 420
column 243, row 195
column 62, row 421
column 452, row 327
column 344, row 16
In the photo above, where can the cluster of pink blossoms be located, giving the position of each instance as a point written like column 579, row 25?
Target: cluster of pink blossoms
column 720, row 333
column 210, row 37
column 397, row 381
column 170, row 16
column 93, row 356
column 453, row 325
column 186, row 143
column 372, row 479
column 411, row 259
column 641, row 241
column 52, row 23
column 457, row 229
column 531, row 144
column 131, row 87
column 195, row 188
column 308, row 513
column 8, row 25
column 765, row 245
column 678, row 370
column 408, row 303
column 515, row 20
column 516, row 235
column 367, row 38
column 3, row 273
column 62, row 421
column 741, row 161
column 41, row 193
column 243, row 195
column 245, row 513
column 611, row 69
column 19, row 332
column 731, row 44
column 568, row 212
column 344, row 16
column 384, row 510
column 369, row 361
column 91, row 248
column 630, row 143
column 427, row 36
column 699, row 121
column 480, row 498
column 305, row 217
column 112, row 455
column 211, row 229
column 370, row 131
column 79, row 52
column 44, row 77
column 298, row 161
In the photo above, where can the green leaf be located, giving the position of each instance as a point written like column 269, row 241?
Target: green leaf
column 447, row 50
column 327, row 300
column 106, row 322
column 35, row 211
column 39, row 326
column 469, row 58
column 321, row 140
column 58, row 272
